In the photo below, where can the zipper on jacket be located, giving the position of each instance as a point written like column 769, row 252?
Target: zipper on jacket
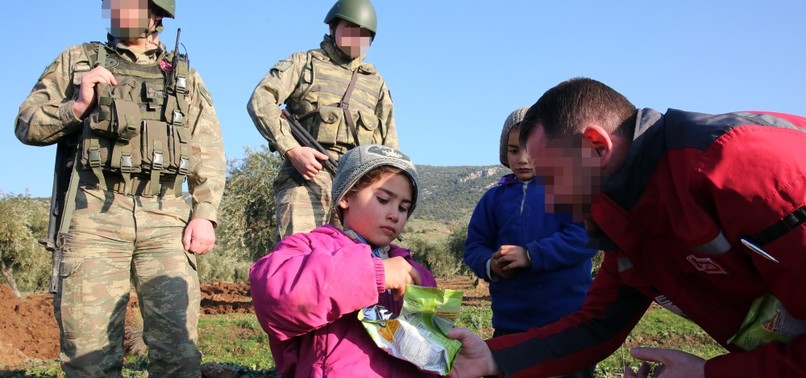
column 523, row 199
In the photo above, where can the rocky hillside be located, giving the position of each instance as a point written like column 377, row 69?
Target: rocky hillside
column 449, row 194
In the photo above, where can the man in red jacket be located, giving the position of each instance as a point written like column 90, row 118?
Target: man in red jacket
column 703, row 214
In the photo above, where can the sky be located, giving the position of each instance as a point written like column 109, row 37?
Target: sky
column 455, row 68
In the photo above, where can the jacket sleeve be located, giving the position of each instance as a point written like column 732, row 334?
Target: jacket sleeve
column 46, row 115
column 426, row 277
column 581, row 338
column 208, row 164
column 385, row 111
column 297, row 289
column 481, row 236
column 770, row 187
column 561, row 249
column 273, row 90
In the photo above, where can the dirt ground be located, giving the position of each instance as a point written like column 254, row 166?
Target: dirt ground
column 29, row 331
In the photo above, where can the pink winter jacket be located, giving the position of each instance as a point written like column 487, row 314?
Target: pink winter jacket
column 307, row 294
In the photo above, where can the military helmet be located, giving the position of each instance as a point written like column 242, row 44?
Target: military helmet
column 359, row 12
column 167, row 6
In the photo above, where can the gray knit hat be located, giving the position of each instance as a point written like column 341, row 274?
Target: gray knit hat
column 513, row 120
column 356, row 162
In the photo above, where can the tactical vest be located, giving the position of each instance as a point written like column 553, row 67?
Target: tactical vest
column 138, row 126
column 326, row 105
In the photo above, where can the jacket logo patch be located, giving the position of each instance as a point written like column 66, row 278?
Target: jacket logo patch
column 705, row 264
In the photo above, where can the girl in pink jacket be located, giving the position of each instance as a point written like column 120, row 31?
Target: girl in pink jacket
column 308, row 291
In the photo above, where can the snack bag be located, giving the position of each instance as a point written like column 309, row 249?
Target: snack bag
column 418, row 334
column 767, row 321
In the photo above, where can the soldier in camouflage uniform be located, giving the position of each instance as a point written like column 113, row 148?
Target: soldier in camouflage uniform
column 340, row 100
column 144, row 123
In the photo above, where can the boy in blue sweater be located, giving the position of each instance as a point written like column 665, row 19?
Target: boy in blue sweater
column 536, row 262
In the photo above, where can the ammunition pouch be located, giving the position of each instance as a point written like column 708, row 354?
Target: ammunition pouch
column 138, row 185
column 329, row 126
column 115, row 118
column 329, row 97
column 138, row 129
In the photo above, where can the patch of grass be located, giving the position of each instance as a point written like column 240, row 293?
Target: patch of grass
column 38, row 368
column 478, row 319
column 235, row 340
column 663, row 329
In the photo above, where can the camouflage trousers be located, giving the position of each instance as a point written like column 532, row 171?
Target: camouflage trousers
column 115, row 241
column 300, row 205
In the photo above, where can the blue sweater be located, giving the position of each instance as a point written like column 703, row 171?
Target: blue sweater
column 513, row 213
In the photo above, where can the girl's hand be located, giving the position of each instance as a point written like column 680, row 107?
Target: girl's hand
column 399, row 273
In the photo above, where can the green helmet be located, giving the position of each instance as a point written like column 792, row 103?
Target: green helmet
column 167, row 6
column 359, row 12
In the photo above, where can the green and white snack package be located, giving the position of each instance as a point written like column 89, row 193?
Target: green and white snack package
column 418, row 334
column 767, row 321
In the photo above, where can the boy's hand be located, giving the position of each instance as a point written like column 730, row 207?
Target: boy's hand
column 399, row 273
column 497, row 266
column 508, row 259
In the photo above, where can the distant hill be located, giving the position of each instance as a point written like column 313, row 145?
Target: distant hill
column 449, row 194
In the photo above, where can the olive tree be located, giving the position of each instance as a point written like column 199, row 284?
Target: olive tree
column 24, row 263
column 247, row 228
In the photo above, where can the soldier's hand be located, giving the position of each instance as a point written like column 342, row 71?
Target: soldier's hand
column 87, row 96
column 306, row 160
column 199, row 236
column 399, row 273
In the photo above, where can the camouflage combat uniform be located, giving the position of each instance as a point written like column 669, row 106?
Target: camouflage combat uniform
column 312, row 85
column 116, row 238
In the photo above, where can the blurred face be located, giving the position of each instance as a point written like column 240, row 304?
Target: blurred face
column 517, row 158
column 129, row 18
column 352, row 39
column 379, row 211
column 571, row 168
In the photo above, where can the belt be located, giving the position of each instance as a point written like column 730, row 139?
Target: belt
column 139, row 185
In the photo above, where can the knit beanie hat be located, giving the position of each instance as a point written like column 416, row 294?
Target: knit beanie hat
column 356, row 162
column 513, row 120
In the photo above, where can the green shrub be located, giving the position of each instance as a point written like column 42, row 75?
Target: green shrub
column 24, row 261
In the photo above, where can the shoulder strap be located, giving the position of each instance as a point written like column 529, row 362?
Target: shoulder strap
column 345, row 105
column 175, row 112
column 778, row 229
column 96, row 53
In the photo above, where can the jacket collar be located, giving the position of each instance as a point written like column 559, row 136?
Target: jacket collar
column 337, row 56
column 148, row 56
column 512, row 179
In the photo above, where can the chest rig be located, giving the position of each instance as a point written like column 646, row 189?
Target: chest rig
column 337, row 105
column 137, row 129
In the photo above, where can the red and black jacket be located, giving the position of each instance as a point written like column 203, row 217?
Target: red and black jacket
column 692, row 186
